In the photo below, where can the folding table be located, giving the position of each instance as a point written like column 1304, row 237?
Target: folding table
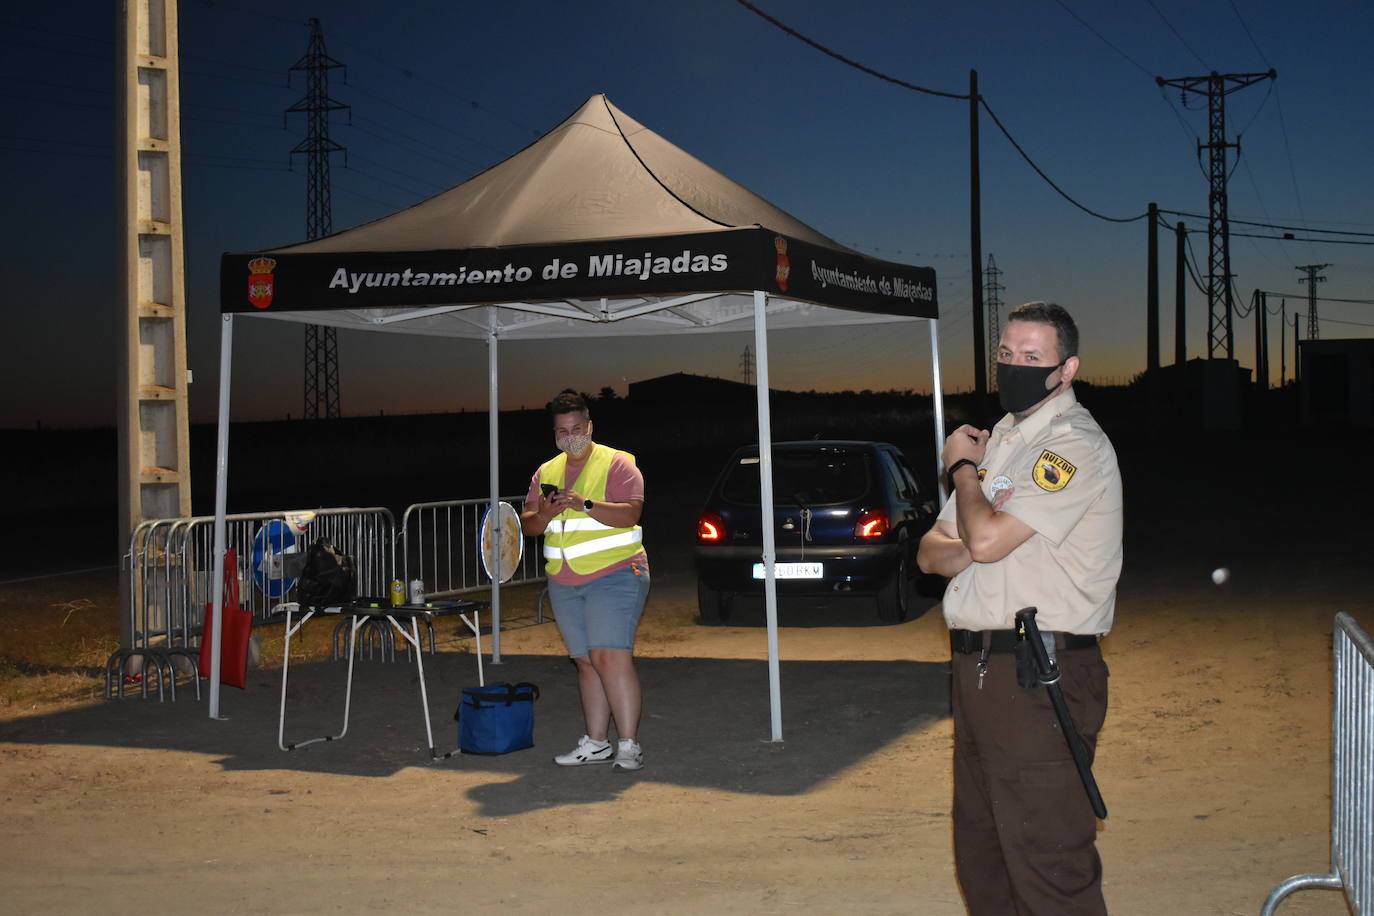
column 404, row 620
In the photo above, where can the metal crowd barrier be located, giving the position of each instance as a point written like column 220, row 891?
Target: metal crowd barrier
column 171, row 563
column 441, row 546
column 1352, row 775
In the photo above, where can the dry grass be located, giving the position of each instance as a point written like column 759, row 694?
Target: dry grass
column 57, row 634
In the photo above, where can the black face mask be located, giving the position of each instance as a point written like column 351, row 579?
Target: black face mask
column 1022, row 387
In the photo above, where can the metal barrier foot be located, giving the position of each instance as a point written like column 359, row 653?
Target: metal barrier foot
column 1297, row 883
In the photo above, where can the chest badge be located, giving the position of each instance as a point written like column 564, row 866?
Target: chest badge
column 1051, row 472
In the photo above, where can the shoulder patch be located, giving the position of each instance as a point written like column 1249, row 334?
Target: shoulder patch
column 1051, row 472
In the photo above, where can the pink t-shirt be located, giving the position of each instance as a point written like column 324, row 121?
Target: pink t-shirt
column 624, row 482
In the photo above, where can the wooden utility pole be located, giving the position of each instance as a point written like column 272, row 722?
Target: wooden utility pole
column 1297, row 366
column 975, row 224
column 1152, row 289
column 1283, row 343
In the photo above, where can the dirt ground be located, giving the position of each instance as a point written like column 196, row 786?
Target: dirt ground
column 1215, row 761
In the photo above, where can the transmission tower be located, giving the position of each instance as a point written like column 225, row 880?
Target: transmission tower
column 321, row 343
column 994, row 300
column 1216, row 86
column 746, row 365
column 1312, row 280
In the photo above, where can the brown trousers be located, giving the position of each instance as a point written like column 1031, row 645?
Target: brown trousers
column 1024, row 832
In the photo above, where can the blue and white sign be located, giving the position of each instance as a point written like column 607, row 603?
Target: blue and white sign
column 272, row 540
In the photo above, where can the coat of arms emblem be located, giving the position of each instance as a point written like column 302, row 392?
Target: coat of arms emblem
column 261, row 281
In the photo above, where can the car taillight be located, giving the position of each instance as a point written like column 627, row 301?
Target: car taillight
column 871, row 524
column 710, row 528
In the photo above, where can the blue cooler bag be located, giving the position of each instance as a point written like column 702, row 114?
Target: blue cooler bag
column 497, row 718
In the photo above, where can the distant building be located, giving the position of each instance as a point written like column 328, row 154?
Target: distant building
column 1337, row 381
column 685, row 388
column 1205, row 393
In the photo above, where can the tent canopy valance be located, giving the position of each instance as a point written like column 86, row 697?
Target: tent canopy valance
column 599, row 221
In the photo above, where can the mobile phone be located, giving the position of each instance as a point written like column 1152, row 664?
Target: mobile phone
column 548, row 489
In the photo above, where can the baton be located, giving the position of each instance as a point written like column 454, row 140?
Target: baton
column 1049, row 676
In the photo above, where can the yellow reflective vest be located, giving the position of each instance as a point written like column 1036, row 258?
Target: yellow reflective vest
column 574, row 537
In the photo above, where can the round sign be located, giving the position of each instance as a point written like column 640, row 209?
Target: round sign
column 508, row 540
column 272, row 540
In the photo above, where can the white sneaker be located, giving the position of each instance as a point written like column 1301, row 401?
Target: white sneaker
column 628, row 755
column 588, row 750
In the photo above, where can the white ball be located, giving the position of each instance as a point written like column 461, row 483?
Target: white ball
column 1219, row 576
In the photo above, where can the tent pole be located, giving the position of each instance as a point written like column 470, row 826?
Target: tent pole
column 938, row 400
column 494, row 483
column 212, row 629
column 770, row 582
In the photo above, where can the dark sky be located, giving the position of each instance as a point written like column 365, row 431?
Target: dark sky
column 440, row 91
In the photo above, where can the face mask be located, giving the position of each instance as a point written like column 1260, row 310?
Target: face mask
column 574, row 445
column 1022, row 387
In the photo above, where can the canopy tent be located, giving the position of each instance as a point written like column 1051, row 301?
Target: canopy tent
column 599, row 228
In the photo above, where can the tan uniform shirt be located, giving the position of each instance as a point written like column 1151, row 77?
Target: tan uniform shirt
column 1057, row 472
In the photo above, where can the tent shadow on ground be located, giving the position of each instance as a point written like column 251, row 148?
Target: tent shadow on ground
column 706, row 724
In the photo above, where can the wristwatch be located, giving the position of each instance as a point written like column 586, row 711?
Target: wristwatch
column 586, row 505
column 949, row 475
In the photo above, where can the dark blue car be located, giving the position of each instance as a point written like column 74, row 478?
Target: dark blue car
column 847, row 518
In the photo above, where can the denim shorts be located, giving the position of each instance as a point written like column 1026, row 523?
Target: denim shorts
column 602, row 613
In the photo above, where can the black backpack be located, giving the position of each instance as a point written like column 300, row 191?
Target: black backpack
column 328, row 578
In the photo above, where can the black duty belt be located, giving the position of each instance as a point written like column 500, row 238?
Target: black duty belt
column 970, row 642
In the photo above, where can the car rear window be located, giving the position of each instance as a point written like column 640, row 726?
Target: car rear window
column 813, row 477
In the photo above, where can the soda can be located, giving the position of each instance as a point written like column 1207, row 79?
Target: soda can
column 417, row 591
column 398, row 593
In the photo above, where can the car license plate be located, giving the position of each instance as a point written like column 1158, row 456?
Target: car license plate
column 793, row 570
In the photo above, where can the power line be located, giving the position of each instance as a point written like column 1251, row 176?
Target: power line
column 949, row 95
column 1062, row 193
column 1318, row 298
column 421, row 181
column 845, row 60
column 1177, row 34
column 1250, row 174
column 1290, row 238
column 1278, row 104
column 425, row 118
column 1247, row 222
column 453, row 161
column 392, row 184
column 1081, row 21
column 448, row 91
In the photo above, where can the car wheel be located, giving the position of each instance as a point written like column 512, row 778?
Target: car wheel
column 894, row 598
column 713, row 604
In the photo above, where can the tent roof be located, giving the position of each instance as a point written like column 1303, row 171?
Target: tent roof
column 598, row 227
column 598, row 175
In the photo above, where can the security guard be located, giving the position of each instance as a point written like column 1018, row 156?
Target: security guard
column 1034, row 519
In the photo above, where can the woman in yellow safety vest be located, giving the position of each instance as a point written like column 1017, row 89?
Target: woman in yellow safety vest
column 586, row 503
